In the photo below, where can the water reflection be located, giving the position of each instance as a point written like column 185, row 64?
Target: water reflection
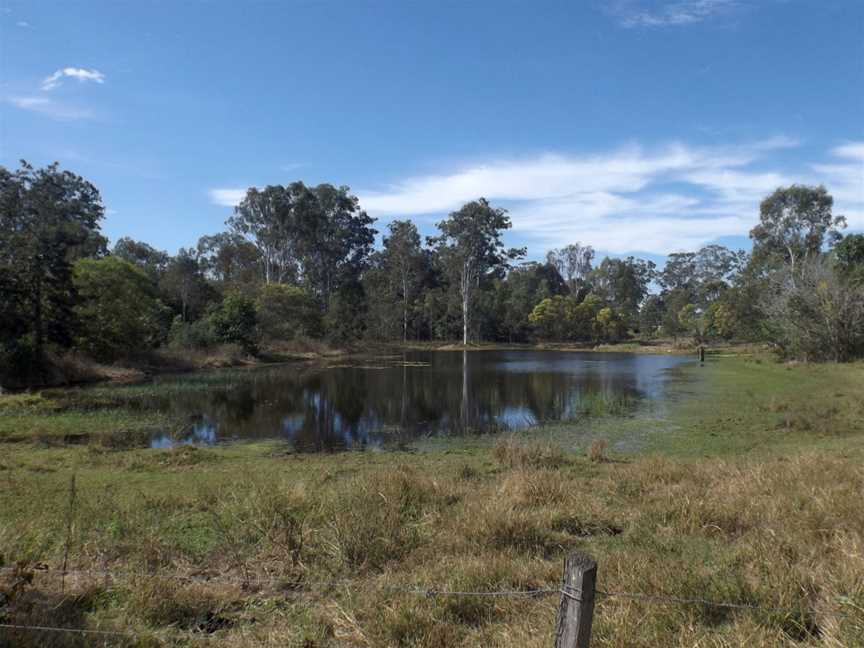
column 419, row 394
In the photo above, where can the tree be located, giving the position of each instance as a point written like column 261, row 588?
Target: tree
column 228, row 258
column 183, row 285
column 48, row 219
column 820, row 316
column 850, row 257
column 334, row 239
column 285, row 312
column 267, row 218
column 549, row 318
column 794, row 224
column 651, row 315
column 149, row 259
column 470, row 248
column 679, row 273
column 402, row 265
column 623, row 283
column 573, row 263
column 693, row 320
column 516, row 296
column 234, row 321
column 118, row 310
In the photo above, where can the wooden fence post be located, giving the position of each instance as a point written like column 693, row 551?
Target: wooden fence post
column 576, row 610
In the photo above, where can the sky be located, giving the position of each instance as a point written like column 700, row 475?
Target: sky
column 635, row 126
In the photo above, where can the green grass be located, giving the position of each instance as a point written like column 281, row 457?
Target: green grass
column 747, row 489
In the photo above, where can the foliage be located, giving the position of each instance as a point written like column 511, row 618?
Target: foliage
column 395, row 280
column 118, row 310
column 563, row 318
column 573, row 263
column 470, row 249
column 48, row 219
column 192, row 335
column 302, row 257
column 285, row 312
column 152, row 261
column 183, row 286
column 623, row 283
column 818, row 314
column 235, row 321
column 794, row 223
column 849, row 253
column 228, row 258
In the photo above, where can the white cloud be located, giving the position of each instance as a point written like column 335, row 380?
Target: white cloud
column 49, row 107
column 82, row 74
column 630, row 200
column 854, row 150
column 844, row 178
column 632, row 13
column 622, row 201
column 22, row 23
column 227, row 197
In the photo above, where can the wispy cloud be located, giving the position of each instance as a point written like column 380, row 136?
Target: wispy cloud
column 22, row 23
column 626, row 200
column 638, row 13
column 629, row 200
column 82, row 74
column 49, row 107
column 227, row 197
column 844, row 177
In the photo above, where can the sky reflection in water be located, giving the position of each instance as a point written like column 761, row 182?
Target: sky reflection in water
column 396, row 400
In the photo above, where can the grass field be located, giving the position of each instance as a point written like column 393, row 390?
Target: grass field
column 747, row 489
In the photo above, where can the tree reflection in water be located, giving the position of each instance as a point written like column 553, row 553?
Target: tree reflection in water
column 420, row 394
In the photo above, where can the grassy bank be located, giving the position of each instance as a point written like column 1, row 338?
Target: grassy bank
column 747, row 490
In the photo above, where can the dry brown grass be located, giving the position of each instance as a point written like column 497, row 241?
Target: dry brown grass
column 785, row 532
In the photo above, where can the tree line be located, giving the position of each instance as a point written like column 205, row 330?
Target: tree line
column 299, row 261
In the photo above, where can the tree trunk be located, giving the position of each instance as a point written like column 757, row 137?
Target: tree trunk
column 404, row 310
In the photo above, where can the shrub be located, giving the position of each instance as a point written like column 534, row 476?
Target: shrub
column 235, row 321
column 192, row 335
column 285, row 312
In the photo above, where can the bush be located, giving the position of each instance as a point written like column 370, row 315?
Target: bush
column 816, row 313
column 286, row 312
column 235, row 321
column 18, row 361
column 192, row 335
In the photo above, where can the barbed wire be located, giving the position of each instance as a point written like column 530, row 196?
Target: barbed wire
column 426, row 592
column 82, row 631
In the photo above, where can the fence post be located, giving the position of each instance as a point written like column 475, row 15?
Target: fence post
column 576, row 610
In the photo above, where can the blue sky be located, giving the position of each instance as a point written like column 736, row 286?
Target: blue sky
column 635, row 126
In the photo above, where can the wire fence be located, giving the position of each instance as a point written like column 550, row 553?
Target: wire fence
column 287, row 587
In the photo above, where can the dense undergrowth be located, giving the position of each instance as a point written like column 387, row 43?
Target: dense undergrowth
column 759, row 504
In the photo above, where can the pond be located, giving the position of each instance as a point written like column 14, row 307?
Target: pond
column 397, row 400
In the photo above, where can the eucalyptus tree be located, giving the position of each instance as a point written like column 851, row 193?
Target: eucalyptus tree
column 624, row 284
column 573, row 262
column 794, row 224
column 184, row 287
column 267, row 218
column 333, row 239
column 396, row 278
column 228, row 258
column 152, row 261
column 470, row 248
